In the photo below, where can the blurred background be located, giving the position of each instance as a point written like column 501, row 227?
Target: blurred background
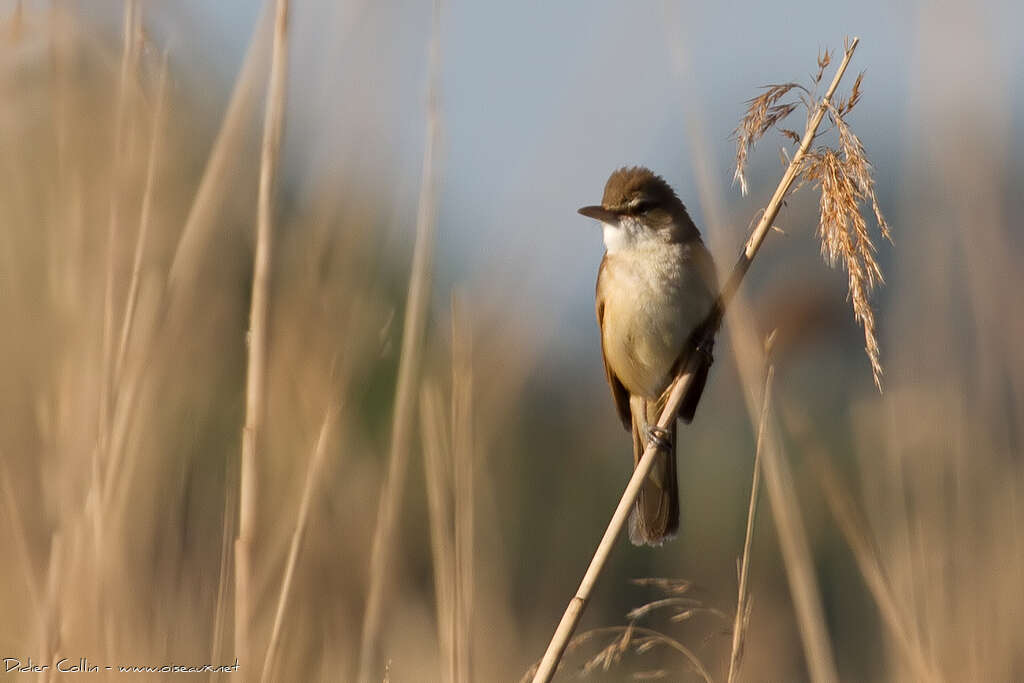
column 130, row 148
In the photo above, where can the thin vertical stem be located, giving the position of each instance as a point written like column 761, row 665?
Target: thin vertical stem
column 101, row 452
column 144, row 222
column 742, row 601
column 796, row 555
column 113, row 222
column 312, row 476
column 462, row 478
column 256, row 372
column 231, row 142
column 436, row 466
column 408, row 376
column 220, row 608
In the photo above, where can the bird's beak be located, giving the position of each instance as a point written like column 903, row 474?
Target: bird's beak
column 600, row 213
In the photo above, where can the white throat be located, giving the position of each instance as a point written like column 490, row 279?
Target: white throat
column 627, row 234
column 615, row 238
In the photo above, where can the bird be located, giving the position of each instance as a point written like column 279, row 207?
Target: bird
column 656, row 287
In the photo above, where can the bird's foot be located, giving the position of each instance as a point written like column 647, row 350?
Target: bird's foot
column 662, row 438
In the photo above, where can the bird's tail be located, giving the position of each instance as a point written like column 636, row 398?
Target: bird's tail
column 655, row 516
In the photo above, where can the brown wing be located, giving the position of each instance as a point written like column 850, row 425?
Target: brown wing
column 706, row 265
column 619, row 392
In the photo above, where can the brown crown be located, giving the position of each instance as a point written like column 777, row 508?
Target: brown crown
column 636, row 182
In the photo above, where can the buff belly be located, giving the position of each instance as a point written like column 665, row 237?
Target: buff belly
column 652, row 305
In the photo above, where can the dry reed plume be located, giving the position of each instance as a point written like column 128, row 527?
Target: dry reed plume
column 640, row 639
column 841, row 174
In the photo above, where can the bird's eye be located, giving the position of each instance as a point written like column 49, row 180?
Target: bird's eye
column 640, row 205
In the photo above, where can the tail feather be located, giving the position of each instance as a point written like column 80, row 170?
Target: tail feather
column 655, row 516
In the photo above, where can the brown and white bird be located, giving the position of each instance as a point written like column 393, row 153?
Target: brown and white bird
column 655, row 287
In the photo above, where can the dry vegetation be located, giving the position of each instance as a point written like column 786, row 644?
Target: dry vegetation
column 125, row 288
column 842, row 175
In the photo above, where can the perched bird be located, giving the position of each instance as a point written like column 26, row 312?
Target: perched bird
column 655, row 287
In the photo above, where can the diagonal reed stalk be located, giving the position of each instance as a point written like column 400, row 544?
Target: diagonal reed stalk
column 101, row 456
column 403, row 418
column 852, row 526
column 124, row 387
column 448, row 467
column 796, row 555
column 680, row 386
column 221, row 604
column 742, row 600
column 145, row 213
column 462, row 488
column 437, row 466
column 308, row 489
column 231, row 142
column 128, row 60
column 256, row 369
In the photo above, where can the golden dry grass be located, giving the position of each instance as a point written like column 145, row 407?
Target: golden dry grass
column 841, row 173
column 121, row 412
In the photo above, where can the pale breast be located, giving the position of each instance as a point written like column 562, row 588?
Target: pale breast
column 653, row 299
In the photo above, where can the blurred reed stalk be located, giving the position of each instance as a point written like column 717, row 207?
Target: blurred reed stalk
column 463, row 485
column 796, row 555
column 129, row 64
column 220, row 609
column 406, row 391
column 228, row 146
column 853, row 528
column 124, row 387
column 145, row 218
column 681, row 384
column 256, row 368
column 109, row 391
column 449, row 472
column 308, row 489
column 742, row 599
column 751, row 361
column 437, row 465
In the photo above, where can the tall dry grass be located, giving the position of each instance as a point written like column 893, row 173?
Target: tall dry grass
column 119, row 528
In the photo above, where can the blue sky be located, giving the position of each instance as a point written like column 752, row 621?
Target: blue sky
column 540, row 101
